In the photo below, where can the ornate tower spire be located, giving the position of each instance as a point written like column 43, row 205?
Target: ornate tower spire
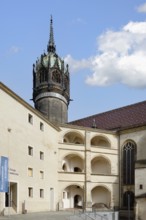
column 51, row 84
column 51, row 45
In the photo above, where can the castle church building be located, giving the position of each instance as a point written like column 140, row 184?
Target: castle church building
column 48, row 164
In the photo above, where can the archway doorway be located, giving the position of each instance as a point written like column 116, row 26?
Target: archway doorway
column 72, row 197
column 128, row 200
column 101, row 197
column 77, row 201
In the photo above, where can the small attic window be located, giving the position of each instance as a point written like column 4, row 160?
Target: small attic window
column 41, row 126
column 140, row 186
column 30, row 118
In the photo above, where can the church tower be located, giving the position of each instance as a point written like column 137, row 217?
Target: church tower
column 51, row 84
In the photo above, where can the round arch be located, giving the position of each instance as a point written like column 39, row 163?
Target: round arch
column 103, row 156
column 100, row 140
column 75, row 184
column 72, row 196
column 73, row 163
column 101, row 165
column 102, row 185
column 73, row 137
column 101, row 197
column 72, row 153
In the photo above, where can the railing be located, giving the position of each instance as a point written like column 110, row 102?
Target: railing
column 105, row 215
column 74, row 176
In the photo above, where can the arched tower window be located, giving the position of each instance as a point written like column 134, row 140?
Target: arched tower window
column 56, row 76
column 129, row 152
column 43, row 75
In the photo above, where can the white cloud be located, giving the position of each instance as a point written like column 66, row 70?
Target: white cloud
column 121, row 58
column 142, row 8
column 14, row 49
column 76, row 65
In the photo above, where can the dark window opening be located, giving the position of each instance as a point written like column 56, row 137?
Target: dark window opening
column 43, row 75
column 140, row 186
column 56, row 77
column 77, row 169
column 30, row 118
column 128, row 163
column 128, row 200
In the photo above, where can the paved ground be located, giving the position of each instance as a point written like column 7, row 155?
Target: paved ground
column 61, row 215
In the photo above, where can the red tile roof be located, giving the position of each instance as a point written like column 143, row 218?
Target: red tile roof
column 118, row 119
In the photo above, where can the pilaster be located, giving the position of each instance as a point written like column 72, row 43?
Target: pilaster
column 88, row 202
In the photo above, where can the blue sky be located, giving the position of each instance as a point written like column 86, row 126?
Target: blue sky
column 103, row 41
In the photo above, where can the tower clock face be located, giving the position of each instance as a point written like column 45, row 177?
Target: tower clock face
column 56, row 76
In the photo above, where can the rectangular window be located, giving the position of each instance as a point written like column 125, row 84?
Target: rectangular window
column 41, row 175
column 140, row 186
column 41, row 155
column 30, row 172
column 30, row 192
column 30, row 118
column 41, row 126
column 41, row 193
column 30, row 151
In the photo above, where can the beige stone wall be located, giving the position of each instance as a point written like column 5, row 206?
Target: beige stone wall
column 140, row 209
column 16, row 134
column 140, row 189
column 140, row 181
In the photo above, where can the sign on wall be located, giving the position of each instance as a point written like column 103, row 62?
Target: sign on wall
column 4, row 185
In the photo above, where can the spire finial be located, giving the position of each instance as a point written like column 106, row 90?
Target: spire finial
column 51, row 45
column 94, row 123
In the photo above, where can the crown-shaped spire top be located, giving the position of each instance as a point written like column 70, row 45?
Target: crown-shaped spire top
column 51, row 45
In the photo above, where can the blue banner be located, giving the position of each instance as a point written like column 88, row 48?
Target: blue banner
column 4, row 182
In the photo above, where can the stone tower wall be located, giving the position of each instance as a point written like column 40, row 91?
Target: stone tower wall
column 54, row 109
